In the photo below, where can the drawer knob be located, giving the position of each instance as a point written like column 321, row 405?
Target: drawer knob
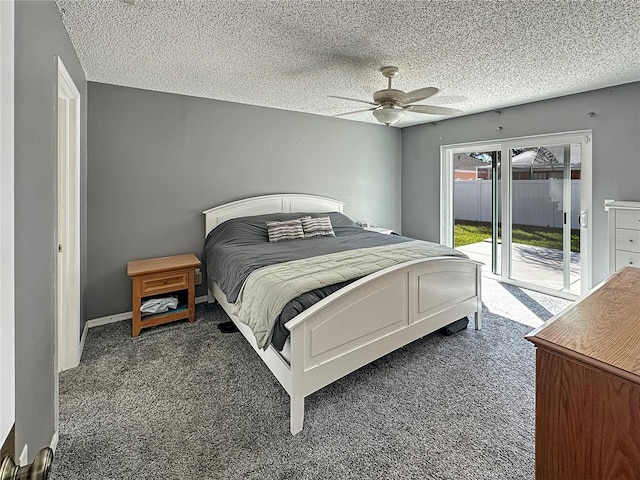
column 631, row 240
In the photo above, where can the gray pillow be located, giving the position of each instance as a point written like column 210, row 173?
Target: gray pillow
column 285, row 230
column 317, row 227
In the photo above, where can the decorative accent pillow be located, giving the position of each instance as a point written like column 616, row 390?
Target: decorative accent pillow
column 286, row 230
column 317, row 227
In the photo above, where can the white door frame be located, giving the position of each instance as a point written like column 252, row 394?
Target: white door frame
column 7, row 222
column 583, row 137
column 67, row 263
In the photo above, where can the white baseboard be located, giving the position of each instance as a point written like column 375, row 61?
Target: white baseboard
column 82, row 340
column 54, row 442
column 96, row 322
column 23, row 459
column 118, row 317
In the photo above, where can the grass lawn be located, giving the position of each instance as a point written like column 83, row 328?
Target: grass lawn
column 471, row 232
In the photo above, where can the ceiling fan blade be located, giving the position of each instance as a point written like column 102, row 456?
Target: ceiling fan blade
column 354, row 100
column 417, row 95
column 356, row 111
column 432, row 110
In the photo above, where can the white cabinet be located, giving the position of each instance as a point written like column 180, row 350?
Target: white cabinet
column 624, row 234
column 386, row 231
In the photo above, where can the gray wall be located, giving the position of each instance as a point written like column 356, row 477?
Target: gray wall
column 40, row 35
column 157, row 160
column 615, row 149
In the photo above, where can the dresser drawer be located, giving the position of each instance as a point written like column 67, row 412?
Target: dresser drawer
column 628, row 240
column 629, row 219
column 627, row 258
column 163, row 282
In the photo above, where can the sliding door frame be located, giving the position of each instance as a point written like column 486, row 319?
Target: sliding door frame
column 582, row 137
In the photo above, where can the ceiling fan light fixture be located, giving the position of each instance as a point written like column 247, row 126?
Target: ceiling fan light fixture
column 388, row 116
column 389, row 103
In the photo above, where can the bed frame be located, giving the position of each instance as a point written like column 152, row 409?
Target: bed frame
column 361, row 322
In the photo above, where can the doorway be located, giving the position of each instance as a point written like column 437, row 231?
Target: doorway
column 7, row 220
column 68, row 223
column 476, row 212
column 545, row 216
column 521, row 206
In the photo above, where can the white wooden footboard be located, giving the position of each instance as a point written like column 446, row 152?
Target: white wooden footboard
column 375, row 316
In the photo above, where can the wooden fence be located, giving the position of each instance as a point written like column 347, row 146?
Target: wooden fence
column 535, row 202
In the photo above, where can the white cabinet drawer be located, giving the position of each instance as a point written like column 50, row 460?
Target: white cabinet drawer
column 629, row 219
column 628, row 240
column 627, row 258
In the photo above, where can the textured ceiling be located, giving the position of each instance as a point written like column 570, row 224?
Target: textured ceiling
column 293, row 54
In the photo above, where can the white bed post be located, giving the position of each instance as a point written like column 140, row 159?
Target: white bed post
column 297, row 384
column 478, row 314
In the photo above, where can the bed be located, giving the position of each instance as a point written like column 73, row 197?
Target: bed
column 364, row 320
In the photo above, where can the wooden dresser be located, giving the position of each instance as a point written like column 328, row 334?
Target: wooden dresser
column 588, row 385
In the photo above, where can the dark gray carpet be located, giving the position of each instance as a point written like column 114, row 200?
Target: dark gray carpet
column 184, row 401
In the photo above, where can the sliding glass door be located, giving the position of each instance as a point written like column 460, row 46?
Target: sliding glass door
column 521, row 207
column 545, row 210
column 476, row 197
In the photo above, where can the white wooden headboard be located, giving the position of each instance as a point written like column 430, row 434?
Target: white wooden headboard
column 278, row 203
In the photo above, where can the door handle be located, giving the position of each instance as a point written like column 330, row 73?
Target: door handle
column 582, row 219
column 37, row 470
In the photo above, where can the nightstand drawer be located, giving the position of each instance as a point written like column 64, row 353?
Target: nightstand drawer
column 163, row 282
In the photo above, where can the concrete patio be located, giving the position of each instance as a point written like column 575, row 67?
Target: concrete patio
column 536, row 265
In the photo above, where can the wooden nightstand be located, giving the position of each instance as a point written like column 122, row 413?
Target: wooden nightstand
column 156, row 276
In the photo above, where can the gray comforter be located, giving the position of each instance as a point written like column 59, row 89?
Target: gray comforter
column 268, row 289
column 240, row 246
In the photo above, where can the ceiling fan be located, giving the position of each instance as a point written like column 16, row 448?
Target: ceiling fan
column 390, row 104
